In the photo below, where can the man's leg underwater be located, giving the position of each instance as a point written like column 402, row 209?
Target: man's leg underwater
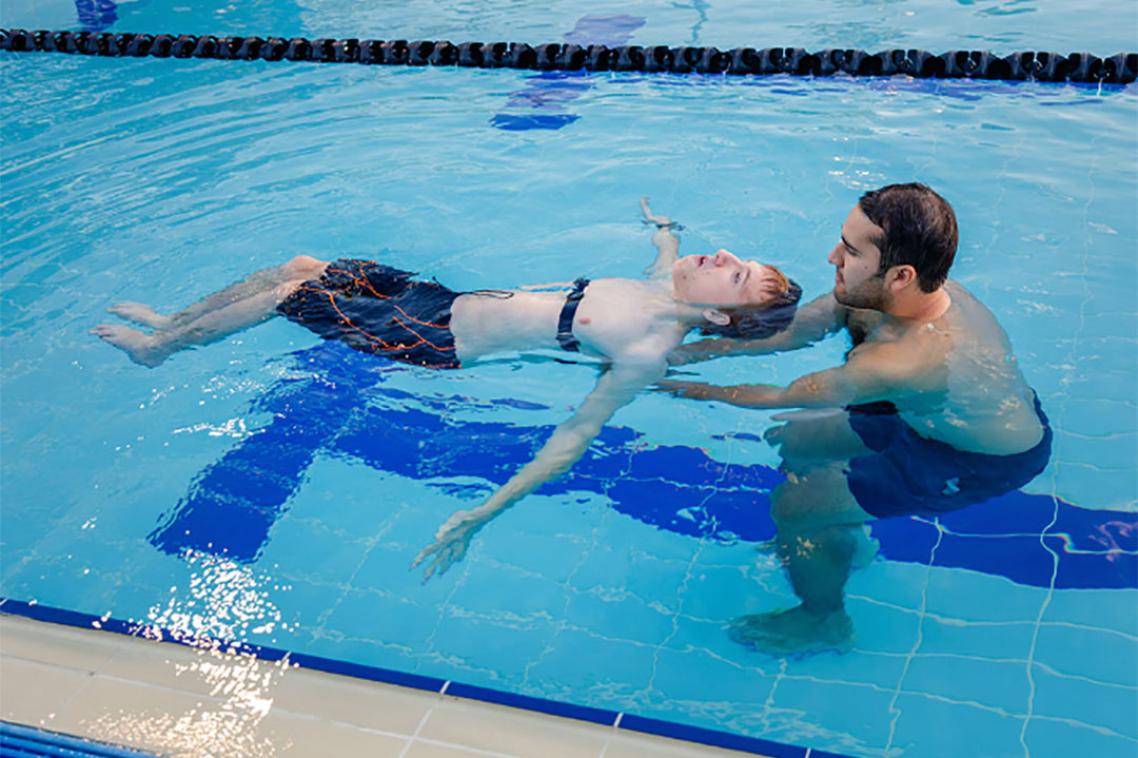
column 237, row 307
column 821, row 535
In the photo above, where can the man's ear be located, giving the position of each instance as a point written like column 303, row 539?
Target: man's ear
column 719, row 318
column 901, row 277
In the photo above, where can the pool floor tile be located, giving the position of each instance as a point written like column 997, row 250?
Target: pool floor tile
column 724, row 592
column 1106, row 609
column 993, row 684
column 628, row 664
column 831, row 713
column 1078, row 651
column 1055, row 739
column 719, row 681
column 855, row 667
column 1096, row 705
column 628, row 617
column 363, row 615
column 950, row 636
column 880, row 628
column 958, row 728
column 958, row 594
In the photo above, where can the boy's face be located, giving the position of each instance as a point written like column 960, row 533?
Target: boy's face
column 724, row 280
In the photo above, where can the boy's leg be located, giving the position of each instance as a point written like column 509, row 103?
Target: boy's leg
column 140, row 313
column 237, row 307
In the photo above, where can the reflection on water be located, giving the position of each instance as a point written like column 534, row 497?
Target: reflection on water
column 223, row 603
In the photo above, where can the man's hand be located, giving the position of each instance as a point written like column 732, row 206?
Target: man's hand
column 690, row 390
column 697, row 352
column 742, row 395
column 451, row 542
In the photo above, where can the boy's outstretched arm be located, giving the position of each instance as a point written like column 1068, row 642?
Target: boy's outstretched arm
column 667, row 244
column 615, row 389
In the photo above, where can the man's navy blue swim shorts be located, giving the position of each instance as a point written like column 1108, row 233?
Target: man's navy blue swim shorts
column 907, row 474
column 378, row 309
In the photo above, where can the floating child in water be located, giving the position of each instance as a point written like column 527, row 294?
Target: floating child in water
column 630, row 325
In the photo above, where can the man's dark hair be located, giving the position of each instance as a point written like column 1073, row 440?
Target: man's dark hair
column 758, row 322
column 920, row 230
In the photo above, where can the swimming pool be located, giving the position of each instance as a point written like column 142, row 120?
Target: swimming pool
column 1013, row 627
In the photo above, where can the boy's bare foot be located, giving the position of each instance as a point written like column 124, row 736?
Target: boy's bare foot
column 138, row 345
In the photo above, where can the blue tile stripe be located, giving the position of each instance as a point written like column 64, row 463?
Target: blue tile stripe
column 541, row 705
column 20, row 740
column 630, row 722
column 710, row 737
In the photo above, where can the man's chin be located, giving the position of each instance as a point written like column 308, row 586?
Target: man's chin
column 854, row 301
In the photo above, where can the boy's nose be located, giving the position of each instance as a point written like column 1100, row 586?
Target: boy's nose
column 723, row 257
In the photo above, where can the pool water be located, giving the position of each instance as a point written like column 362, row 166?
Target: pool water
column 273, row 490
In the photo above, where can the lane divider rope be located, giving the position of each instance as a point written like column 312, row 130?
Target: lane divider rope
column 1121, row 68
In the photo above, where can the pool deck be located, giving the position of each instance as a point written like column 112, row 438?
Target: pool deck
column 177, row 700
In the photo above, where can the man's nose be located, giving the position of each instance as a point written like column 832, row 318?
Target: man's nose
column 835, row 256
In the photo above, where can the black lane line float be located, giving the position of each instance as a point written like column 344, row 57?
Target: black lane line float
column 746, row 61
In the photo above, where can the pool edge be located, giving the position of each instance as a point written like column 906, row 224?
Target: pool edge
column 603, row 717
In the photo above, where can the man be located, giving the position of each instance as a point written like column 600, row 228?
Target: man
column 929, row 412
column 629, row 325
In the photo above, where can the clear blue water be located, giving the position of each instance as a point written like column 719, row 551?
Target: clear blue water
column 1014, row 627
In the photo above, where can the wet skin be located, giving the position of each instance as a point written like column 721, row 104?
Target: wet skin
column 939, row 357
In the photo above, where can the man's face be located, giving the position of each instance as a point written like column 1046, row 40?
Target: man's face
column 725, row 280
column 856, row 259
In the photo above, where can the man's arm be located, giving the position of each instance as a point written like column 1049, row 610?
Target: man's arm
column 814, row 321
column 615, row 389
column 667, row 244
column 868, row 376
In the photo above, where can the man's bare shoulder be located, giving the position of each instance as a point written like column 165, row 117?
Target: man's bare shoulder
column 914, row 362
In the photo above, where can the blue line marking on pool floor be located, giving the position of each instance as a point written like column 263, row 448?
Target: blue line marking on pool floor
column 233, row 503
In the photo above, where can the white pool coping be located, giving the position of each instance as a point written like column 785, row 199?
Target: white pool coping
column 178, row 700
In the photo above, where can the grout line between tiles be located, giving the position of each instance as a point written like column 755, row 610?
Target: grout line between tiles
column 418, row 729
column 896, row 714
column 466, row 748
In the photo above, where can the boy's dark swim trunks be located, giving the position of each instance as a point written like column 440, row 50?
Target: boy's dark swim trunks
column 908, row 474
column 378, row 309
